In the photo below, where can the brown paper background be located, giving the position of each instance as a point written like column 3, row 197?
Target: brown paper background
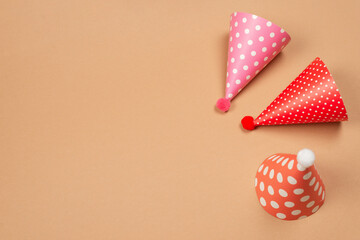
column 108, row 128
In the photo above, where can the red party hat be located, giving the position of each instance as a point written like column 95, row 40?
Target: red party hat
column 312, row 97
column 289, row 186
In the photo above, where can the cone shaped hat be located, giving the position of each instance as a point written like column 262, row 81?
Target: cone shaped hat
column 288, row 186
column 253, row 43
column 312, row 97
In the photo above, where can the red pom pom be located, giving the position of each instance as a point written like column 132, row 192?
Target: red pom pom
column 248, row 123
column 223, row 104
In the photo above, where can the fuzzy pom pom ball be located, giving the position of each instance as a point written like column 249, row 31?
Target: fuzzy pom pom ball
column 223, row 104
column 306, row 158
column 248, row 123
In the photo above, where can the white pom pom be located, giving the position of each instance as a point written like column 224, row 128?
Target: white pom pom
column 306, row 158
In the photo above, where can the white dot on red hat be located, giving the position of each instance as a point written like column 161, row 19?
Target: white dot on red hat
column 310, row 204
column 262, row 201
column 320, row 190
column 289, row 204
column 304, row 198
column 262, row 187
column 300, row 168
column 312, row 181
column 315, row 209
column 291, row 180
column 316, row 186
column 279, row 160
column 291, row 164
column 261, row 167
column 283, row 193
column 274, row 159
column 274, row 204
column 265, row 170
column 281, row 215
column 296, row 212
column 307, row 176
column 271, row 190
column 271, row 174
column 298, row 191
column 285, row 161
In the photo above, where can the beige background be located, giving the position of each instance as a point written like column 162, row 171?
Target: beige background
column 108, row 128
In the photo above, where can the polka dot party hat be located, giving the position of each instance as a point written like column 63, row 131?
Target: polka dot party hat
column 288, row 186
column 253, row 43
column 312, row 97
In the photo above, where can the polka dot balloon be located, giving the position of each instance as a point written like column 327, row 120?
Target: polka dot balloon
column 289, row 186
column 312, row 97
column 253, row 43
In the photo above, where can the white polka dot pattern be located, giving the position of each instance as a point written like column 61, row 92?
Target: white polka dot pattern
column 312, row 97
column 288, row 193
column 249, row 36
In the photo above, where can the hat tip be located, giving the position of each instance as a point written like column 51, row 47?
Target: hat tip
column 223, row 104
column 248, row 123
column 306, row 157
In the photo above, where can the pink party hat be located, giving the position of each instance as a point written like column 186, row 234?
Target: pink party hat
column 253, row 43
